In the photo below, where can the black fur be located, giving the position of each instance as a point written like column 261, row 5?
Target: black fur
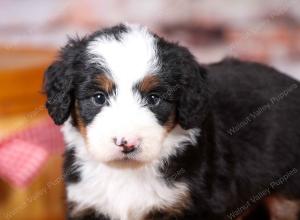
column 167, row 101
column 227, row 169
column 59, row 81
column 88, row 214
column 69, row 70
column 250, row 132
column 71, row 172
column 187, row 78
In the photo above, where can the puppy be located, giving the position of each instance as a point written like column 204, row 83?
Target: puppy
column 152, row 134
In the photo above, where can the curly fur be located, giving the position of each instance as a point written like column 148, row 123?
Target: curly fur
column 248, row 114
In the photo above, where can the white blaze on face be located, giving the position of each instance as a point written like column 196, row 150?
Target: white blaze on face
column 128, row 60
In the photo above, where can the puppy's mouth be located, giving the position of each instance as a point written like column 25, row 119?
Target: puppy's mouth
column 129, row 154
column 128, row 159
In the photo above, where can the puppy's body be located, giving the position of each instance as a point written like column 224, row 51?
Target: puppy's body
column 210, row 138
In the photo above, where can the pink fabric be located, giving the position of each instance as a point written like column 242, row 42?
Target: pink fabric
column 20, row 161
column 23, row 154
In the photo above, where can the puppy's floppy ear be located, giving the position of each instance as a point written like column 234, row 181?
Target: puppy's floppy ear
column 59, row 79
column 57, row 86
column 193, row 100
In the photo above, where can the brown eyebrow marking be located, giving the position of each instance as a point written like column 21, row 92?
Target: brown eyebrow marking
column 105, row 83
column 148, row 83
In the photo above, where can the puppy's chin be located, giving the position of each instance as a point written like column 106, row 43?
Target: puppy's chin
column 126, row 164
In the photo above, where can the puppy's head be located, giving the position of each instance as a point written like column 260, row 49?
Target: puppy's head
column 126, row 90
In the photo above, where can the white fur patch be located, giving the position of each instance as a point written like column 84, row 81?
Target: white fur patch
column 128, row 60
column 124, row 118
column 125, row 194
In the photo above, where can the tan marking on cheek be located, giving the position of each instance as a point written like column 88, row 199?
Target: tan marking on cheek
column 148, row 83
column 281, row 208
column 170, row 123
column 78, row 120
column 105, row 83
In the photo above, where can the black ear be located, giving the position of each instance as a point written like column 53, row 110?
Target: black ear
column 59, row 79
column 57, row 86
column 193, row 100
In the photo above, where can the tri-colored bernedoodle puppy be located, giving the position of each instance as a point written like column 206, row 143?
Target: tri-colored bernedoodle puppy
column 152, row 134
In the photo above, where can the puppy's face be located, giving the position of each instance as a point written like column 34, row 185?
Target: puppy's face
column 123, row 88
column 123, row 107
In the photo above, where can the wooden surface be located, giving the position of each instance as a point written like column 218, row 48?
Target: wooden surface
column 42, row 200
column 21, row 77
column 21, row 105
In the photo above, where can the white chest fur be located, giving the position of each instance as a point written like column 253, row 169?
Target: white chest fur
column 123, row 194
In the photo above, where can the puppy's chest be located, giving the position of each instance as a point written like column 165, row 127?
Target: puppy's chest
column 125, row 194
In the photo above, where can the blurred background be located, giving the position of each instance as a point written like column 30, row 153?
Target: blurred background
column 32, row 31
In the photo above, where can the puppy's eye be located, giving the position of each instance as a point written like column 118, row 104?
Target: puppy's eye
column 153, row 100
column 99, row 99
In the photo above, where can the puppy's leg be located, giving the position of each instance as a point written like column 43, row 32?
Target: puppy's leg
column 281, row 208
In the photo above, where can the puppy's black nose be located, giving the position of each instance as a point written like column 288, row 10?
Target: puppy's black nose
column 128, row 145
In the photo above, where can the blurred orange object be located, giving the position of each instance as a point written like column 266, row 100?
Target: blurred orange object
column 22, row 106
column 21, row 76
